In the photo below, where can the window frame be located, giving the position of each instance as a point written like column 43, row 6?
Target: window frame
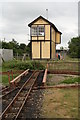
column 37, row 33
column 34, row 32
column 39, row 28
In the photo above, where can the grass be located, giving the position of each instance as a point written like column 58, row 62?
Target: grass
column 5, row 79
column 50, row 84
column 15, row 65
column 49, row 77
column 55, row 79
column 0, row 69
column 71, row 80
column 67, row 58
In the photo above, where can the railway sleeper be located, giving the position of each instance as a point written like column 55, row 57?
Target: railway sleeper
column 27, row 87
column 15, row 109
column 22, row 94
column 23, row 91
column 18, row 102
column 22, row 116
column 6, row 101
column 5, row 92
column 20, row 98
column 10, row 116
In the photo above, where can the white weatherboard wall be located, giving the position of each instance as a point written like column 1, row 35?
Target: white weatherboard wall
column 6, row 54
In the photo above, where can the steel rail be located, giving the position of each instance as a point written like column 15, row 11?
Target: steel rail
column 26, row 97
column 1, row 97
column 6, row 88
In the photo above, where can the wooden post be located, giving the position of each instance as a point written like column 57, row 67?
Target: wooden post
column 12, row 74
column 9, row 77
column 47, row 66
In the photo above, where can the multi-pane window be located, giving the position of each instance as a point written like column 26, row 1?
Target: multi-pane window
column 34, row 31
column 41, row 31
column 37, row 31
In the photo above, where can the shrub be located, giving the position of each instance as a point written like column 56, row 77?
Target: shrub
column 37, row 65
column 23, row 65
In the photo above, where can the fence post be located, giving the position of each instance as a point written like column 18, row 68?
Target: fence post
column 9, row 77
column 12, row 74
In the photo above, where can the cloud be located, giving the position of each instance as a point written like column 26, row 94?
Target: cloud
column 79, row 18
column 16, row 16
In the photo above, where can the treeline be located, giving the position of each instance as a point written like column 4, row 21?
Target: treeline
column 74, row 47
column 17, row 49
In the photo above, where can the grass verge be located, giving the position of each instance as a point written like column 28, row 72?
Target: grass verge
column 71, row 80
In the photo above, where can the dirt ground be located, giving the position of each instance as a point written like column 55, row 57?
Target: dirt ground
column 60, row 103
column 54, row 79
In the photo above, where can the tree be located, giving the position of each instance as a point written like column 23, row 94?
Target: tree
column 14, row 45
column 17, row 49
column 74, row 47
column 28, row 48
column 22, row 46
column 5, row 45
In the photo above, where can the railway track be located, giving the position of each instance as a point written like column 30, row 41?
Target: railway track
column 13, row 110
column 7, row 90
column 4, row 89
column 9, row 93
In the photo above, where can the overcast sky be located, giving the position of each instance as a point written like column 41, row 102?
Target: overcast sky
column 15, row 18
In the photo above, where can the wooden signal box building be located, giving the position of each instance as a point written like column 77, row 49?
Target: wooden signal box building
column 44, row 37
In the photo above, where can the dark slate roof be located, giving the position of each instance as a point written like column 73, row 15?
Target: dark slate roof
column 46, row 21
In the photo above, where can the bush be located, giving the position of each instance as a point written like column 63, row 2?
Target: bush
column 37, row 65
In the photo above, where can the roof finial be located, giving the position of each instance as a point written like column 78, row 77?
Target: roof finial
column 47, row 13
